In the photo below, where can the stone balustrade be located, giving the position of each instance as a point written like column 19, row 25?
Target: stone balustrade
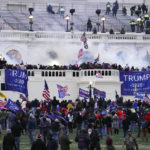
column 22, row 35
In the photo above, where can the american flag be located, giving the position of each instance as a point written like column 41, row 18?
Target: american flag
column 83, row 38
column 80, row 53
column 98, row 75
column 146, row 99
column 46, row 93
column 2, row 105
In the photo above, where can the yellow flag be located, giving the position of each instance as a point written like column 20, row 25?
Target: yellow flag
column 2, row 95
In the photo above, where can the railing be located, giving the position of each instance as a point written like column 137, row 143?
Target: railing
column 77, row 35
column 72, row 73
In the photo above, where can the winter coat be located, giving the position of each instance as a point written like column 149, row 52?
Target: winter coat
column 119, row 113
column 9, row 142
column 31, row 124
column 83, row 140
column 55, row 126
column 64, row 141
column 125, row 124
column 38, row 145
column 99, row 123
column 109, row 121
column 115, row 123
column 52, row 145
column 16, row 130
column 94, row 141
column 110, row 148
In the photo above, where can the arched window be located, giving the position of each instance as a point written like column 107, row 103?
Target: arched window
column 60, row 74
column 46, row 73
column 53, row 73
column 28, row 73
column 77, row 74
column 73, row 74
column 109, row 73
column 102, row 73
column 42, row 73
column 32, row 73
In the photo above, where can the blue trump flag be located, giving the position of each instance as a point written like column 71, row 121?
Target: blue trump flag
column 62, row 91
column 135, row 81
column 12, row 106
column 16, row 80
column 99, row 93
column 60, row 118
column 83, row 93
column 139, row 95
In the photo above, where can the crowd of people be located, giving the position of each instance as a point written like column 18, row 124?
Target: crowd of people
column 143, row 18
column 95, row 65
column 137, row 10
column 91, row 121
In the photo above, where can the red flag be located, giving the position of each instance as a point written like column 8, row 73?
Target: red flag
column 80, row 53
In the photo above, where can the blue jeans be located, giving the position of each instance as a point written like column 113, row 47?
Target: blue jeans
column 105, row 129
column 31, row 135
column 132, row 126
column 3, row 123
column 125, row 131
column 120, row 123
column 100, row 132
column 17, row 141
column 55, row 135
column 84, row 124
column 139, row 131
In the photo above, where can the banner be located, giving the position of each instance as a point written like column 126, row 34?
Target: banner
column 135, row 80
column 2, row 105
column 60, row 118
column 146, row 99
column 62, row 91
column 139, row 95
column 16, row 80
column 12, row 106
column 83, row 93
column 99, row 93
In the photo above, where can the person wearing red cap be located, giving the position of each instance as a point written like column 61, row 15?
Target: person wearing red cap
column 38, row 144
column 109, row 144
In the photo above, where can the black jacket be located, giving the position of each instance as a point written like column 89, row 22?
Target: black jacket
column 9, row 142
column 125, row 124
column 52, row 145
column 16, row 130
column 38, row 145
column 83, row 139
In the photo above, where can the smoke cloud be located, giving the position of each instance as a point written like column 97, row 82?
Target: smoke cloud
column 65, row 53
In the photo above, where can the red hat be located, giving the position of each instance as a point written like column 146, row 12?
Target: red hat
column 108, row 141
column 39, row 136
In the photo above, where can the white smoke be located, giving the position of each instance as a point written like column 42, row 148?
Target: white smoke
column 67, row 53
column 123, row 54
